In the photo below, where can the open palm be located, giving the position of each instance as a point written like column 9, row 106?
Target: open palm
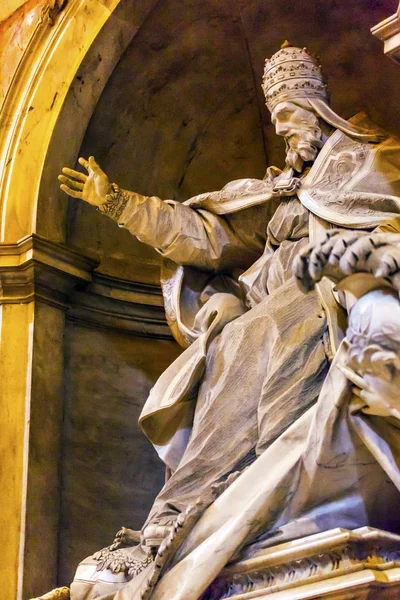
column 92, row 188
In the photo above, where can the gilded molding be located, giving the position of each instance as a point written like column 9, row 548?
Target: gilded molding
column 34, row 101
column 388, row 31
column 38, row 269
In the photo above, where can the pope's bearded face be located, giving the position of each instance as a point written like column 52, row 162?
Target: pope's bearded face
column 300, row 128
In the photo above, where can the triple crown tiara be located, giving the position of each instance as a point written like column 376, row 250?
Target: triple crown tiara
column 292, row 73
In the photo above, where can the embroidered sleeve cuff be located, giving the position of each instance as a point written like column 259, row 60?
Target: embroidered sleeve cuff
column 116, row 203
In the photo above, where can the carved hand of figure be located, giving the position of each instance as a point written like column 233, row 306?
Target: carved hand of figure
column 378, row 387
column 342, row 253
column 92, row 188
column 125, row 537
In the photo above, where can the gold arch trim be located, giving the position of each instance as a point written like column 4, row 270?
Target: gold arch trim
column 33, row 104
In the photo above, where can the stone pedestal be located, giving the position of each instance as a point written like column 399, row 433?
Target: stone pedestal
column 336, row 565
column 363, row 564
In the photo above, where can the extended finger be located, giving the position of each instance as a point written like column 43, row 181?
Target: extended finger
column 82, row 161
column 76, row 185
column 94, row 166
column 75, row 174
column 389, row 264
column 358, row 253
column 340, row 246
column 71, row 192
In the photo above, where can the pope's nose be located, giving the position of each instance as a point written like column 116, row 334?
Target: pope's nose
column 281, row 128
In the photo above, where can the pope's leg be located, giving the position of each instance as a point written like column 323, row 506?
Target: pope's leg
column 225, row 432
column 223, row 438
column 297, row 364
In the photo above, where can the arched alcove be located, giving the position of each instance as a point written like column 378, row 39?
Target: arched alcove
column 183, row 111
column 167, row 96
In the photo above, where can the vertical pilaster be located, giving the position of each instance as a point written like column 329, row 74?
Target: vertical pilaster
column 43, row 489
column 17, row 325
column 41, row 282
column 36, row 277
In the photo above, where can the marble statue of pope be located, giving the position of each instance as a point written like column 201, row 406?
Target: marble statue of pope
column 272, row 405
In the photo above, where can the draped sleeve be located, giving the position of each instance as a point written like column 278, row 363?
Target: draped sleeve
column 196, row 237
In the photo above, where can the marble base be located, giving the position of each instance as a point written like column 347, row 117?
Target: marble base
column 363, row 564
column 338, row 564
column 365, row 585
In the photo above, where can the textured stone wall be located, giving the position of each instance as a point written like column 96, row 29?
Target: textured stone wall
column 18, row 20
column 184, row 113
column 110, row 470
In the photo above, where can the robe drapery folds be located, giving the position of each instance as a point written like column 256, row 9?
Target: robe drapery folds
column 216, row 265
column 255, row 374
column 333, row 467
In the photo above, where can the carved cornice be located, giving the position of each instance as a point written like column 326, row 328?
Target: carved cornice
column 120, row 304
column 389, row 32
column 38, row 269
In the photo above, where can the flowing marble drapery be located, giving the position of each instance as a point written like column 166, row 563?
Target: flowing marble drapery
column 315, row 456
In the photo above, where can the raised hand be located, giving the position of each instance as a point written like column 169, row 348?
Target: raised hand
column 92, row 188
column 342, row 253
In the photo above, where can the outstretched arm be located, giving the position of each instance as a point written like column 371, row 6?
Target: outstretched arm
column 186, row 236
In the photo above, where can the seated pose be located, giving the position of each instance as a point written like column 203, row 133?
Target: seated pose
column 273, row 423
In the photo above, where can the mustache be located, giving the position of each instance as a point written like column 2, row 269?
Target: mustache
column 303, row 147
column 311, row 137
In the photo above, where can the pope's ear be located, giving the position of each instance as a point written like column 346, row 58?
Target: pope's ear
column 387, row 363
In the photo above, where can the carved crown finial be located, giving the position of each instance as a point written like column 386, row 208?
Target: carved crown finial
column 286, row 44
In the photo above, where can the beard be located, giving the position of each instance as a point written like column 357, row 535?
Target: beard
column 302, row 147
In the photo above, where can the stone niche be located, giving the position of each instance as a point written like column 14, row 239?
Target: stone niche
column 109, row 467
column 182, row 112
